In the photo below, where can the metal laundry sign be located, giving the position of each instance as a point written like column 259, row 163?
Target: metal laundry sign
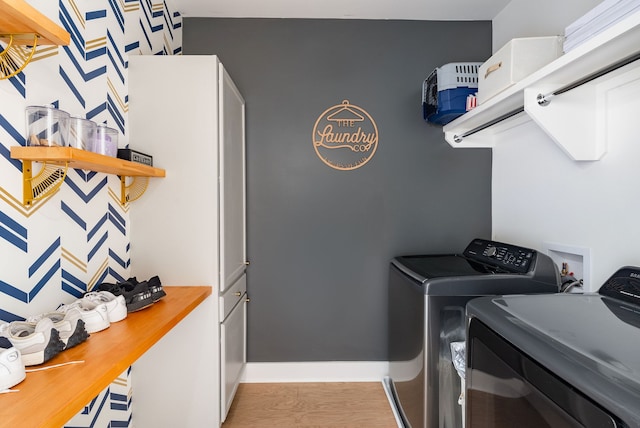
column 345, row 137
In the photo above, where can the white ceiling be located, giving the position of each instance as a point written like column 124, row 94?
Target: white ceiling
column 437, row 10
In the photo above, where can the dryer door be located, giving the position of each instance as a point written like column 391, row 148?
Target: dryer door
column 505, row 388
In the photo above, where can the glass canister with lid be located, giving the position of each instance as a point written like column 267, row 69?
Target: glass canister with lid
column 105, row 141
column 82, row 132
column 47, row 126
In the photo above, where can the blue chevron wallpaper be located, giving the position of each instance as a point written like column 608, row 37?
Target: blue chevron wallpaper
column 63, row 245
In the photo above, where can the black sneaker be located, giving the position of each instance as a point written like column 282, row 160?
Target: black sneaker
column 155, row 286
column 136, row 294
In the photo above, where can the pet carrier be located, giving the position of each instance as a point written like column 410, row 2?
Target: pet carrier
column 445, row 91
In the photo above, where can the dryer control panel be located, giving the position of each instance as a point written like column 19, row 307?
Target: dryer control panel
column 508, row 257
column 624, row 285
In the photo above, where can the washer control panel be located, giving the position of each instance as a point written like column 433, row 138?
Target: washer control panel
column 624, row 285
column 503, row 256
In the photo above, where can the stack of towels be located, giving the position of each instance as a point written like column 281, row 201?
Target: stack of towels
column 601, row 17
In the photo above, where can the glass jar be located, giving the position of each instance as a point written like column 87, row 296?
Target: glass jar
column 105, row 141
column 47, row 126
column 82, row 132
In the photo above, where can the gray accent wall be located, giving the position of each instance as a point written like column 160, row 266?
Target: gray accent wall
column 320, row 239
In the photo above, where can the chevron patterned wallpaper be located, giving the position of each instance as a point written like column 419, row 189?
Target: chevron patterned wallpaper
column 58, row 248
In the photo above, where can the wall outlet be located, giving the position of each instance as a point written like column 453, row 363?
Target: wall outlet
column 578, row 261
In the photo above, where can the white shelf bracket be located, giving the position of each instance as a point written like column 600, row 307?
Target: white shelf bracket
column 577, row 120
column 574, row 120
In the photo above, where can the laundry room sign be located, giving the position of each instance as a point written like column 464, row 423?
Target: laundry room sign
column 345, row 137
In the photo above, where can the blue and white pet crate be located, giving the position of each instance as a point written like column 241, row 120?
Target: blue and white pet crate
column 445, row 91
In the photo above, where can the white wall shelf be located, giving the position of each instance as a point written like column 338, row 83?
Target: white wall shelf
column 575, row 120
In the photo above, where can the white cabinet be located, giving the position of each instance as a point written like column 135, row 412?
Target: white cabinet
column 186, row 112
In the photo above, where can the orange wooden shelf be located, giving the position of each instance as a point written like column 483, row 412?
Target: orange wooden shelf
column 83, row 159
column 17, row 17
column 50, row 398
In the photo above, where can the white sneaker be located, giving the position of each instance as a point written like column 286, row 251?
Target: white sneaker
column 37, row 342
column 69, row 324
column 116, row 305
column 11, row 366
column 93, row 314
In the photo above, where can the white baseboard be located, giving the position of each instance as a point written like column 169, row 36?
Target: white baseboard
column 321, row 371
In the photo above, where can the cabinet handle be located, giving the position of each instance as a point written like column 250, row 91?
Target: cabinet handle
column 247, row 263
column 237, row 293
column 493, row 68
column 247, row 300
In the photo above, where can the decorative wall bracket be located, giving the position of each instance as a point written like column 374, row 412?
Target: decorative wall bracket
column 44, row 183
column 14, row 56
column 132, row 188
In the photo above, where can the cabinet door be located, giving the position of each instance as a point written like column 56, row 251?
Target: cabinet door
column 232, row 354
column 232, row 182
column 174, row 226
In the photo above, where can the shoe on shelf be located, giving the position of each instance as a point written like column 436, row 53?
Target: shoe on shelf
column 11, row 365
column 37, row 342
column 136, row 294
column 69, row 324
column 155, row 286
column 94, row 315
column 116, row 305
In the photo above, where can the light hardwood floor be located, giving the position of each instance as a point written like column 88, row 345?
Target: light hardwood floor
column 307, row 405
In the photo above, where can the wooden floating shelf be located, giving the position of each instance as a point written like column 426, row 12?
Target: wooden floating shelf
column 18, row 18
column 83, row 159
column 56, row 160
column 52, row 397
